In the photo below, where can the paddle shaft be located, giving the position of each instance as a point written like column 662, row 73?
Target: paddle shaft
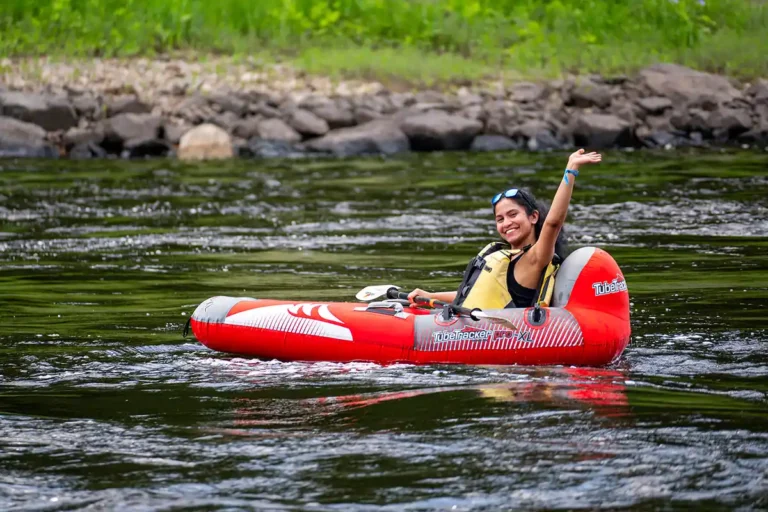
column 393, row 293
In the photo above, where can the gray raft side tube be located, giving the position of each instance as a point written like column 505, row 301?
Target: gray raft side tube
column 568, row 273
column 215, row 309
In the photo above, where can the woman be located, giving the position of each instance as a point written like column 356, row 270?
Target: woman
column 516, row 272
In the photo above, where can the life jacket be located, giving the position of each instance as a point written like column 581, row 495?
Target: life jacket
column 484, row 284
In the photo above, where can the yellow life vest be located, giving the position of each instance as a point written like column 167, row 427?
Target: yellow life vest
column 484, row 284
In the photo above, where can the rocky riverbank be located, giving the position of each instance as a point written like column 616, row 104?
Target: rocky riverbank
column 222, row 108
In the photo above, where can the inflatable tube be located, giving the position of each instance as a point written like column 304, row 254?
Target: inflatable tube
column 587, row 325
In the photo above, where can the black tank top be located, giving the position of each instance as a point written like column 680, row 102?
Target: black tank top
column 522, row 297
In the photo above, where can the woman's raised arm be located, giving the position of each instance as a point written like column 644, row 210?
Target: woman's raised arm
column 544, row 248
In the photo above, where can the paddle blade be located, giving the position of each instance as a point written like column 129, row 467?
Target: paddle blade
column 374, row 292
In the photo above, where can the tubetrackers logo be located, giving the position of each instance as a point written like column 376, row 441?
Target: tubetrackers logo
column 606, row 288
column 479, row 335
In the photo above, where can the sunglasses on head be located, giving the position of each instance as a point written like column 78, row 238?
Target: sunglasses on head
column 512, row 192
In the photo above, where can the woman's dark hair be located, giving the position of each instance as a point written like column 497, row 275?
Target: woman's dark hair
column 528, row 201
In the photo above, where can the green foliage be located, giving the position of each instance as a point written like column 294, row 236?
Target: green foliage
column 532, row 36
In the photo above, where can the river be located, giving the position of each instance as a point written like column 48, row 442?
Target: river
column 103, row 404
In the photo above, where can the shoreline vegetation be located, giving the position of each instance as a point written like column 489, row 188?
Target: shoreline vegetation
column 419, row 42
column 285, row 78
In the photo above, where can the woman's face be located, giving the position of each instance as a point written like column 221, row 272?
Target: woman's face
column 514, row 224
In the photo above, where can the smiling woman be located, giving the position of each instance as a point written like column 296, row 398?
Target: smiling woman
column 518, row 271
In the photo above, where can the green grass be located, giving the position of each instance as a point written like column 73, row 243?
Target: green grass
column 416, row 40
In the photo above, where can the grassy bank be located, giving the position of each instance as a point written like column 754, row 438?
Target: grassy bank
column 415, row 40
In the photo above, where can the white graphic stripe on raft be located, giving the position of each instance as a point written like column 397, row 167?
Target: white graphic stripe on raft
column 577, row 336
column 555, row 330
column 279, row 318
column 567, row 337
column 562, row 335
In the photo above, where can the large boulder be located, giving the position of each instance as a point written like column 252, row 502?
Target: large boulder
column 20, row 139
column 205, row 142
column 436, row 130
column 597, row 131
column 50, row 112
column 686, row 86
column 381, row 136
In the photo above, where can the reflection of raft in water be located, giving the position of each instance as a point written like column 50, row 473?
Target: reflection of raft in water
column 588, row 324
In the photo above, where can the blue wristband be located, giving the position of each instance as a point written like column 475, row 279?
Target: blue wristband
column 567, row 172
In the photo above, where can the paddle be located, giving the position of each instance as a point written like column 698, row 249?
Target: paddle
column 391, row 292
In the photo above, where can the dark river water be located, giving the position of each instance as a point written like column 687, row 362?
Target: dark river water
column 104, row 406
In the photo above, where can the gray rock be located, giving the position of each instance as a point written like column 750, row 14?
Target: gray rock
column 597, row 131
column 276, row 129
column 759, row 90
column 430, row 96
column 527, row 92
column 77, row 136
column 437, row 130
column 260, row 148
column 335, row 114
column 146, row 147
column 655, row 104
column 379, row 104
column 21, row 139
column 698, row 121
column 476, row 112
column 247, row 128
column 124, row 127
column 307, row 123
column 86, row 151
column 364, row 115
column 757, row 135
column 194, row 109
column 50, row 112
column 226, row 120
column 589, row 94
column 530, row 129
column 174, row 132
column 493, row 143
column 228, row 102
column 729, row 123
column 544, row 141
column 264, row 109
column 659, row 123
column 469, row 99
column 86, row 105
column 377, row 137
column 685, row 86
column 658, row 139
column 126, row 104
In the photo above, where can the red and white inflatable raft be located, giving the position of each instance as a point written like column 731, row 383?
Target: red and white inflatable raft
column 587, row 325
